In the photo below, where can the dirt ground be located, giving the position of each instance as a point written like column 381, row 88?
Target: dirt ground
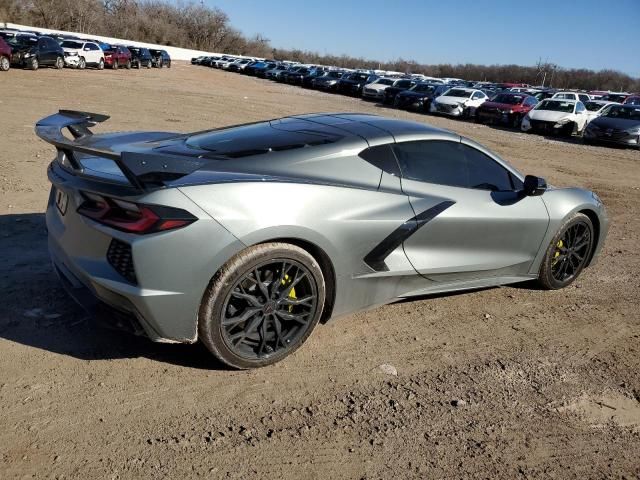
column 507, row 383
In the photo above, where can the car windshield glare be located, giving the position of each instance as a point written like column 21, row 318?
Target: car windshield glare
column 384, row 81
column 71, row 44
column 623, row 112
column 456, row 92
column 593, row 106
column 556, row 106
column 422, row 88
column 508, row 99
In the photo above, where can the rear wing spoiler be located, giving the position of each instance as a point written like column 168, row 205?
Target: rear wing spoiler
column 144, row 171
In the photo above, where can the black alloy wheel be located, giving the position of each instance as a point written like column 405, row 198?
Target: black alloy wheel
column 262, row 305
column 569, row 252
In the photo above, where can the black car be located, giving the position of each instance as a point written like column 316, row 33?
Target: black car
column 160, row 58
column 32, row 52
column 420, row 96
column 353, row 83
column 140, row 57
column 618, row 124
column 295, row 77
column 328, row 81
column 307, row 80
column 261, row 69
column 284, row 76
column 399, row 86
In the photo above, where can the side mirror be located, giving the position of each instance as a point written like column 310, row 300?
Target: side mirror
column 534, row 186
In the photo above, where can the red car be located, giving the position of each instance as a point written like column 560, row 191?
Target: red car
column 507, row 108
column 5, row 55
column 117, row 56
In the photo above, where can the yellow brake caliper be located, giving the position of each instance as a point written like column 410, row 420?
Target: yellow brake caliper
column 292, row 293
column 557, row 254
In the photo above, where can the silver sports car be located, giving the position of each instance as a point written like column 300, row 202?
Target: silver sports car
column 245, row 237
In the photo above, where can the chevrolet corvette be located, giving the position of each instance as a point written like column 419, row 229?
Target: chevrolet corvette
column 246, row 237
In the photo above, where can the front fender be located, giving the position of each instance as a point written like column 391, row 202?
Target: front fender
column 562, row 204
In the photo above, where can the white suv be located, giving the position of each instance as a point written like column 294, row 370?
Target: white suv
column 458, row 102
column 81, row 54
column 581, row 97
column 556, row 116
column 375, row 90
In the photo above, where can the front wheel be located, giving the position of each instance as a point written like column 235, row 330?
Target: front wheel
column 149, row 64
column 59, row 63
column 5, row 64
column 128, row 65
column 82, row 63
column 262, row 305
column 115, row 64
column 568, row 253
column 33, row 64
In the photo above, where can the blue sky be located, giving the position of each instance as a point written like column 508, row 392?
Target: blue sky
column 587, row 33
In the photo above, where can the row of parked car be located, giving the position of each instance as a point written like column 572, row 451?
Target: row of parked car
column 597, row 116
column 33, row 50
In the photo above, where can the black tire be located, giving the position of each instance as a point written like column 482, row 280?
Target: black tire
column 82, row 63
column 160, row 63
column 128, row 65
column 169, row 65
column 5, row 64
column 149, row 64
column 59, row 63
column 558, row 268
column 33, row 64
column 115, row 65
column 516, row 122
column 277, row 337
column 101, row 64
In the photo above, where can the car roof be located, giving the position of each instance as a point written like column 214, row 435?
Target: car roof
column 305, row 132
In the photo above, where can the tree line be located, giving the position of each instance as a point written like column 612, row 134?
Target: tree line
column 199, row 27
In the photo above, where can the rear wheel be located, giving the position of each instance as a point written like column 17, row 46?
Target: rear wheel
column 5, row 64
column 101, row 64
column 128, row 65
column 262, row 305
column 568, row 253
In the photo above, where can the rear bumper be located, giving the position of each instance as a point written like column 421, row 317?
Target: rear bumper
column 172, row 269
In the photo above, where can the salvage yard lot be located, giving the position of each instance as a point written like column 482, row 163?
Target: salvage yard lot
column 508, row 382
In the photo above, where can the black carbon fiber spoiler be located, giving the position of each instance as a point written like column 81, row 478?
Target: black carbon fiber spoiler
column 145, row 171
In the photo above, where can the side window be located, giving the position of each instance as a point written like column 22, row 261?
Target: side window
column 382, row 157
column 93, row 46
column 52, row 44
column 484, row 172
column 42, row 43
column 434, row 161
column 579, row 107
column 477, row 96
column 452, row 163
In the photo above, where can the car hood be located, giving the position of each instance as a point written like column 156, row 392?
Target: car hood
column 410, row 93
column 376, row 86
column 548, row 115
column 451, row 100
column 615, row 123
column 500, row 106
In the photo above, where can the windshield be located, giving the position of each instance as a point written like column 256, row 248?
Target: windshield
column 593, row 106
column 22, row 41
column 359, row 76
column 556, row 106
column 508, row 99
column 71, row 44
column 623, row 112
column 456, row 92
column 402, row 83
column 384, row 81
column 421, row 87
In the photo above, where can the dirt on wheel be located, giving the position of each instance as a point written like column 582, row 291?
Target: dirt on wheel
column 511, row 382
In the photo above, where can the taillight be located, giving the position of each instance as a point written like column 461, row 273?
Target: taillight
column 133, row 217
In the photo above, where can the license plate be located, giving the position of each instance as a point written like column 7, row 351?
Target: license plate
column 62, row 200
